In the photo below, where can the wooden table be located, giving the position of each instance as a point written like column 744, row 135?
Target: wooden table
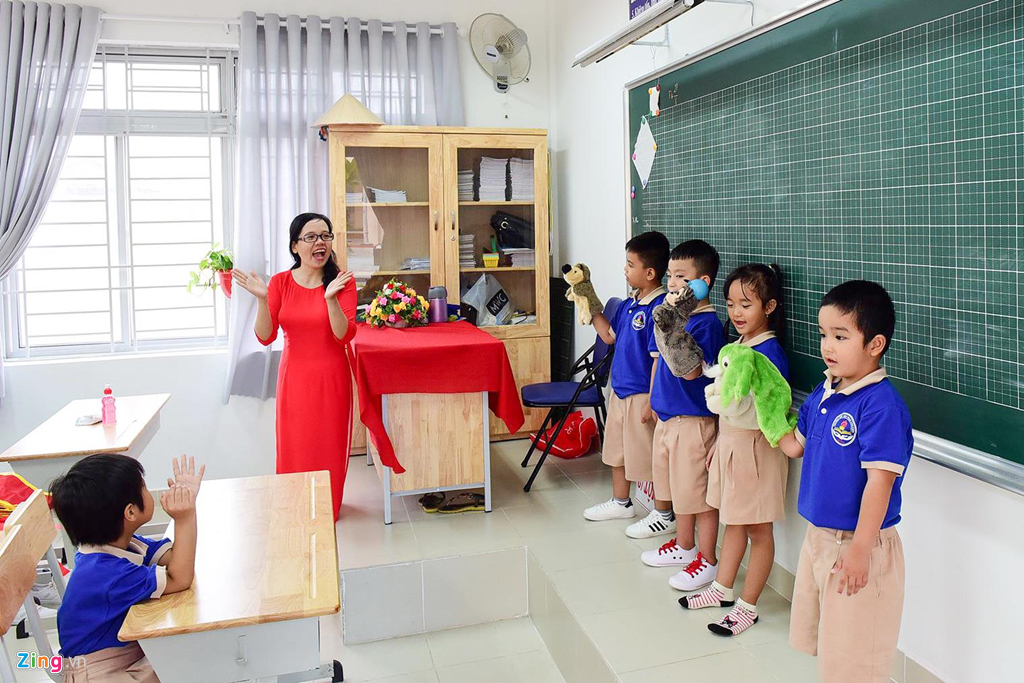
column 266, row 570
column 53, row 447
column 444, row 441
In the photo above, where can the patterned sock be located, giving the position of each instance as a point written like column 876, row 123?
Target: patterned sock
column 667, row 515
column 738, row 620
column 715, row 595
column 624, row 502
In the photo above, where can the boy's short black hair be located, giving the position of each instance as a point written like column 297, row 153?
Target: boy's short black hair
column 91, row 497
column 705, row 257
column 652, row 249
column 871, row 306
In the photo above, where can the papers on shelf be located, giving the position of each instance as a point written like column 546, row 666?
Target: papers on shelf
column 466, row 185
column 521, row 257
column 416, row 263
column 355, row 197
column 361, row 258
column 467, row 251
column 388, row 196
column 493, row 179
column 521, row 177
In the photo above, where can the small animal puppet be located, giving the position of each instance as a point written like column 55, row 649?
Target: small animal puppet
column 750, row 392
column 581, row 292
column 677, row 346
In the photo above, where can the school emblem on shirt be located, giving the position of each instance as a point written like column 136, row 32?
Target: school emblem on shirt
column 844, row 429
column 640, row 320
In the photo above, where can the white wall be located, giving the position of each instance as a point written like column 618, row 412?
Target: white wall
column 961, row 537
column 525, row 106
column 238, row 439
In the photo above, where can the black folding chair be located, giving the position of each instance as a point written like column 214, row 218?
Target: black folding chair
column 561, row 398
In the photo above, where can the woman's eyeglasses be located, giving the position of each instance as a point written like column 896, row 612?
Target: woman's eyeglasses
column 311, row 238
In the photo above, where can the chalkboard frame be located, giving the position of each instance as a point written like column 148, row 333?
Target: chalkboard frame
column 994, row 452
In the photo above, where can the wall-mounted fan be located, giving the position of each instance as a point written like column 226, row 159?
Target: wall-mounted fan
column 500, row 50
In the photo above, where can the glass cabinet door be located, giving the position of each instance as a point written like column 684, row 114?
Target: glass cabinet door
column 497, row 200
column 391, row 200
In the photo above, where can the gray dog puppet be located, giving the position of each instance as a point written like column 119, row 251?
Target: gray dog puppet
column 677, row 346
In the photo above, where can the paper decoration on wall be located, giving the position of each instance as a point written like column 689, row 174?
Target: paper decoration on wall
column 655, row 94
column 643, row 152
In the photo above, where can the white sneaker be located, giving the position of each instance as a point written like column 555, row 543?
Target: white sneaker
column 609, row 510
column 650, row 526
column 697, row 574
column 669, row 554
column 46, row 594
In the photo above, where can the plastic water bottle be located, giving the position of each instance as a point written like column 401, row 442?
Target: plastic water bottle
column 109, row 409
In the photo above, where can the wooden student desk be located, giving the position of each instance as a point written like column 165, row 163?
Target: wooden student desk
column 53, row 447
column 266, row 570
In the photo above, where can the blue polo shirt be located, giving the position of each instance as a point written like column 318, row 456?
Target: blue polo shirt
column 845, row 433
column 673, row 396
column 769, row 346
column 105, row 583
column 634, row 335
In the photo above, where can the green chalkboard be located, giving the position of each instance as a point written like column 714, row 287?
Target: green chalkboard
column 878, row 139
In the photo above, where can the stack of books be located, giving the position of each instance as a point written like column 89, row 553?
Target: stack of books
column 493, row 179
column 521, row 257
column 388, row 196
column 521, row 178
column 355, row 197
column 416, row 263
column 466, row 182
column 467, row 251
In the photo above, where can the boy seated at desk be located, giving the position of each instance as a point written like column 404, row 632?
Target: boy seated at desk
column 102, row 501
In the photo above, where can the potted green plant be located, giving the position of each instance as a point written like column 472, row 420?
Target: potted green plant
column 215, row 267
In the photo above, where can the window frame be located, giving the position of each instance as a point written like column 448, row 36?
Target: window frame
column 121, row 125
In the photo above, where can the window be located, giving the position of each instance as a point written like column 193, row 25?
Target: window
column 144, row 192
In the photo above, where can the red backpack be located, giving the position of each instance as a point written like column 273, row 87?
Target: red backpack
column 574, row 439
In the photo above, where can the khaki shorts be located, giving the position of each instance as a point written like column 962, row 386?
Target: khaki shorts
column 854, row 637
column 627, row 441
column 747, row 481
column 681, row 446
column 126, row 664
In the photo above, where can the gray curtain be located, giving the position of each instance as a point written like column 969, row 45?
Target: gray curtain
column 46, row 54
column 289, row 75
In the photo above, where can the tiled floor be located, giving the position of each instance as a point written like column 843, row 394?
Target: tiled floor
column 627, row 609
column 501, row 652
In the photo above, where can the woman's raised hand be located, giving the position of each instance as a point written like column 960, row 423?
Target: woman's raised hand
column 337, row 284
column 251, row 282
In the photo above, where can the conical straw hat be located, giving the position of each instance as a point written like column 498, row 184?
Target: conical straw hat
column 348, row 111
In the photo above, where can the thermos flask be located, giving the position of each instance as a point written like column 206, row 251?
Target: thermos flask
column 438, row 299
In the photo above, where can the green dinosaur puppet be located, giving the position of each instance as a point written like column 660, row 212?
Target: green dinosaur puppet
column 745, row 380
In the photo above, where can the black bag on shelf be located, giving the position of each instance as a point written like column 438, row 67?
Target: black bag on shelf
column 513, row 232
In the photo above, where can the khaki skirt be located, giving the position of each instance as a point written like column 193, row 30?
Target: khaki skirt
column 747, row 480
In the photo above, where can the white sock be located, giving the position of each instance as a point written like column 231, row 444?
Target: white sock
column 727, row 595
column 747, row 606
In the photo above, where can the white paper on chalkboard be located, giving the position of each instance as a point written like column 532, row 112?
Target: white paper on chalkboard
column 644, row 151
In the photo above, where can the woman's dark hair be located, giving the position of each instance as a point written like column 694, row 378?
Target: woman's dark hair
column 91, row 497
column 331, row 268
column 766, row 284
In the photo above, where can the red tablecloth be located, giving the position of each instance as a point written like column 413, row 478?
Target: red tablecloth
column 444, row 358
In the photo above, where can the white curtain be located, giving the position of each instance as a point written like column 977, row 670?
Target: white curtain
column 46, row 54
column 290, row 72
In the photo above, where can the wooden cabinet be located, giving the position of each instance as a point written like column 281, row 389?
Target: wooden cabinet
column 417, row 204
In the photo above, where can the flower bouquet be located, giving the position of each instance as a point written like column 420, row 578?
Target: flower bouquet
column 397, row 305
